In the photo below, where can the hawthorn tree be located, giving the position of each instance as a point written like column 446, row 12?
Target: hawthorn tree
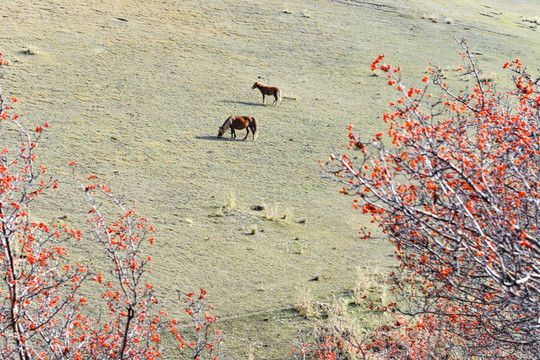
column 43, row 314
column 455, row 185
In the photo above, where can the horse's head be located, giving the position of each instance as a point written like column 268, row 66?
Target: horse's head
column 255, row 85
column 226, row 125
column 221, row 132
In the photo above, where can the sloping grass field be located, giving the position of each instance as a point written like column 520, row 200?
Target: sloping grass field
column 135, row 92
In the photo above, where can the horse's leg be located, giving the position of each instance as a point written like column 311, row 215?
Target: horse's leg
column 263, row 99
column 245, row 137
column 233, row 133
column 275, row 101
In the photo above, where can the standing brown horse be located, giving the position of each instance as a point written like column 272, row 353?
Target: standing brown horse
column 239, row 123
column 268, row 90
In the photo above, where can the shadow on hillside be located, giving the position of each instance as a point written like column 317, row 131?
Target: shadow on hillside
column 224, row 138
column 242, row 102
column 214, row 138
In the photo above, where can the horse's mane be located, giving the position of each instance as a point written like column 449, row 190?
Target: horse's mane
column 228, row 123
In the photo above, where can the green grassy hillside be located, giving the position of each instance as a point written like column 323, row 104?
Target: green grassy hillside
column 135, row 92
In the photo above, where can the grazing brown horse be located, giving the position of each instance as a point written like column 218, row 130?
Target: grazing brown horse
column 268, row 90
column 239, row 123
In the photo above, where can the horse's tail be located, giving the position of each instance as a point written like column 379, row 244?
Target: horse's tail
column 279, row 94
column 254, row 129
